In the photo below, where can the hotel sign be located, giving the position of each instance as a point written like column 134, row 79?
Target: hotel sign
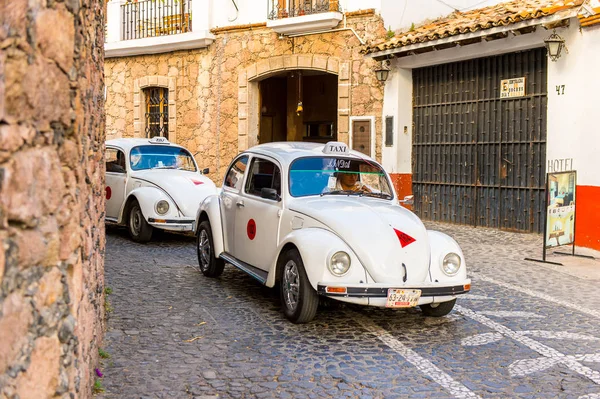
column 512, row 87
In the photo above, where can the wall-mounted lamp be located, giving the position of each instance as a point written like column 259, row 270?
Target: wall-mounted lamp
column 555, row 45
column 383, row 70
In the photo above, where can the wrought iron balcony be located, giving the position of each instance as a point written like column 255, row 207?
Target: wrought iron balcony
column 300, row 16
column 151, row 18
column 278, row 9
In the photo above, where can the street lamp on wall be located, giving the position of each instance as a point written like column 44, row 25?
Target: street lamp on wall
column 383, row 71
column 554, row 45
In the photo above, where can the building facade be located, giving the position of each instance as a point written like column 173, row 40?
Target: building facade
column 479, row 112
column 229, row 75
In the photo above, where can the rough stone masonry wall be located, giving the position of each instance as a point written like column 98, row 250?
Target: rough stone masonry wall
column 206, row 84
column 51, row 197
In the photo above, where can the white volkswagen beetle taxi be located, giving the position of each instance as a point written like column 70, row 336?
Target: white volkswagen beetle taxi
column 152, row 183
column 322, row 220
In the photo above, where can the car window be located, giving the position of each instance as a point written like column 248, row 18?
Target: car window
column 263, row 174
column 235, row 174
column 115, row 160
column 161, row 157
column 337, row 175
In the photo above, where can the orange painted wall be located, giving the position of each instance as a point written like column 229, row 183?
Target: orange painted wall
column 587, row 217
column 402, row 184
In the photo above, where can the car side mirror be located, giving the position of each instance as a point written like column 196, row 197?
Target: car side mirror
column 408, row 200
column 205, row 171
column 269, row 193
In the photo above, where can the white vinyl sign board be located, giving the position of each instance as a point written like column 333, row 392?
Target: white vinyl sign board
column 512, row 87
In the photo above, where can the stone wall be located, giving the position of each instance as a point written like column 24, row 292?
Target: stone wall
column 51, row 197
column 207, row 93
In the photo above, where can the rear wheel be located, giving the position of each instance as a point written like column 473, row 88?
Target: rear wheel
column 298, row 298
column 139, row 229
column 209, row 265
column 438, row 309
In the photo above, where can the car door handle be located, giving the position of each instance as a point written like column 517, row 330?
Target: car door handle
column 240, row 204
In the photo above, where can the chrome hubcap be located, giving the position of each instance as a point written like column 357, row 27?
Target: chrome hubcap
column 204, row 250
column 291, row 285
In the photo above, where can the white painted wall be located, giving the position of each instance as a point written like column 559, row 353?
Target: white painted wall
column 397, row 102
column 573, row 127
column 400, row 14
column 223, row 12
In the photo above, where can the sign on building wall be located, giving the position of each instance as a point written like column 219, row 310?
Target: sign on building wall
column 560, row 224
column 512, row 87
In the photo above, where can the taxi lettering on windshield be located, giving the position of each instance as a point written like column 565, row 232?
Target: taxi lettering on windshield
column 338, row 164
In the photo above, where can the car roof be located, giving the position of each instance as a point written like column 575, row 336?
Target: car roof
column 128, row 143
column 287, row 151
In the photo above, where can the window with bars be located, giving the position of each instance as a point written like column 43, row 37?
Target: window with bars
column 157, row 112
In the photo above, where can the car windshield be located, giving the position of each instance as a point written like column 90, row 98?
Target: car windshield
column 338, row 176
column 161, row 157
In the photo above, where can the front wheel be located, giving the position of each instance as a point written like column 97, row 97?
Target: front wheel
column 438, row 309
column 139, row 229
column 298, row 298
column 209, row 265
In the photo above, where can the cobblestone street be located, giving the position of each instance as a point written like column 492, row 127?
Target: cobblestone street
column 526, row 330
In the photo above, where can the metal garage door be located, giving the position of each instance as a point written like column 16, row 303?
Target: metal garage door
column 479, row 159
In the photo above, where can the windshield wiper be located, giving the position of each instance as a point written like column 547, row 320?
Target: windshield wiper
column 377, row 195
column 165, row 167
column 343, row 192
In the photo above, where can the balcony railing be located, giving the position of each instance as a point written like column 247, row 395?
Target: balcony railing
column 151, row 18
column 278, row 9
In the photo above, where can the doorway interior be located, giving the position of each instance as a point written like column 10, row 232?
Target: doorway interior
column 298, row 105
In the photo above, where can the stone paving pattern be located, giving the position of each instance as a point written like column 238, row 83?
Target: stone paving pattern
column 175, row 334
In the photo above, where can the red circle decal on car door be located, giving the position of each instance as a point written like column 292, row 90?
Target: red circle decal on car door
column 251, row 229
column 108, row 193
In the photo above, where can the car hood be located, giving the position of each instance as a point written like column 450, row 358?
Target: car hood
column 383, row 235
column 187, row 189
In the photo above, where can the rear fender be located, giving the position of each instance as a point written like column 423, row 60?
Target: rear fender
column 316, row 246
column 210, row 210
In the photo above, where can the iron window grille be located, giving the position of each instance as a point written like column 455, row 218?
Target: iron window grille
column 157, row 112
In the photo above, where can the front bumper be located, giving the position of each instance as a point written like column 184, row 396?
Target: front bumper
column 173, row 224
column 376, row 294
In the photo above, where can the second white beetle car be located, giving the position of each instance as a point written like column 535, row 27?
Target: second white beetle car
column 152, row 183
column 323, row 220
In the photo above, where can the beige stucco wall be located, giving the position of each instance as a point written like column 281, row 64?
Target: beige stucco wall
column 51, row 197
column 215, row 88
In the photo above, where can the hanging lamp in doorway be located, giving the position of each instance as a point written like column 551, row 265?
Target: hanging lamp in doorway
column 299, row 108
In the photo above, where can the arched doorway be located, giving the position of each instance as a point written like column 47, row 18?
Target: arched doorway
column 298, row 105
column 274, row 75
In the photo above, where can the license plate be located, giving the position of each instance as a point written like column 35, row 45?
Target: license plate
column 397, row 298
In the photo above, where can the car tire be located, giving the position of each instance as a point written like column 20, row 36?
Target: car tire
column 139, row 229
column 210, row 266
column 438, row 309
column 299, row 300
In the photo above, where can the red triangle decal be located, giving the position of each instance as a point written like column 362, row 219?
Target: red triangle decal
column 404, row 238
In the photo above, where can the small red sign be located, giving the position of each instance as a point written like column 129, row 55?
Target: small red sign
column 108, row 193
column 251, row 229
column 197, row 182
column 404, row 238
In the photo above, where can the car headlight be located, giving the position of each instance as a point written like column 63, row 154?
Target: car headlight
column 339, row 263
column 162, row 207
column 451, row 264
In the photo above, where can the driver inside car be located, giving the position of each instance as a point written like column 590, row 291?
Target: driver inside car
column 349, row 180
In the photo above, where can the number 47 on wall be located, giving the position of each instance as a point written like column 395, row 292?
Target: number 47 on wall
column 560, row 89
